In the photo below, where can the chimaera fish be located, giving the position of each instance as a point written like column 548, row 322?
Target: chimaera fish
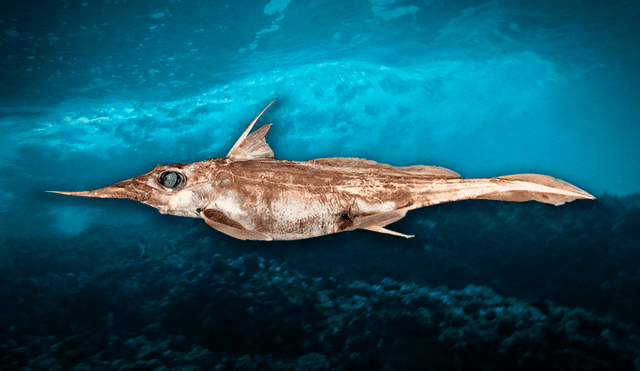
column 250, row 195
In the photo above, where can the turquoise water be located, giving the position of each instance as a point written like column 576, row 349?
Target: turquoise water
column 93, row 93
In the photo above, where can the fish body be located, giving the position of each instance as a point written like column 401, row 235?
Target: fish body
column 250, row 195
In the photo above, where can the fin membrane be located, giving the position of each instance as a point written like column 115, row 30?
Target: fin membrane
column 375, row 228
column 242, row 151
column 359, row 165
column 222, row 223
column 377, row 222
column 254, row 147
column 560, row 193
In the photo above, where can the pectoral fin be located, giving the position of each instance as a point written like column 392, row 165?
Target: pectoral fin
column 222, row 223
column 377, row 222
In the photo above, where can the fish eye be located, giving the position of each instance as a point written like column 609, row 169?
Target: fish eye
column 171, row 179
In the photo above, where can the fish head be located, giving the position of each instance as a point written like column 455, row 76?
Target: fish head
column 177, row 189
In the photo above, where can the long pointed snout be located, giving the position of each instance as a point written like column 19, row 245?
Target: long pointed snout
column 99, row 193
column 124, row 189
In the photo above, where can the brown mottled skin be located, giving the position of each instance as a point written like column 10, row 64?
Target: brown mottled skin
column 251, row 195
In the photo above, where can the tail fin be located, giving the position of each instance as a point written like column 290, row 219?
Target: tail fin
column 541, row 188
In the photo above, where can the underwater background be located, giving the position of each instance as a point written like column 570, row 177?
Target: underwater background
column 95, row 92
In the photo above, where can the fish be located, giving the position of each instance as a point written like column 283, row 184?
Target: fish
column 250, row 195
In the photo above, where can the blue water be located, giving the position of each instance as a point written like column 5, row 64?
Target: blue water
column 96, row 92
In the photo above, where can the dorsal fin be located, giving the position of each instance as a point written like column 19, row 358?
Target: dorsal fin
column 254, row 146
column 434, row 171
column 359, row 165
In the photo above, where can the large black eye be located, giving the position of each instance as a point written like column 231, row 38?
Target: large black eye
column 171, row 179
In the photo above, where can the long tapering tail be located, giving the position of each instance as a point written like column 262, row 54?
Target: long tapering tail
column 541, row 188
column 520, row 187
